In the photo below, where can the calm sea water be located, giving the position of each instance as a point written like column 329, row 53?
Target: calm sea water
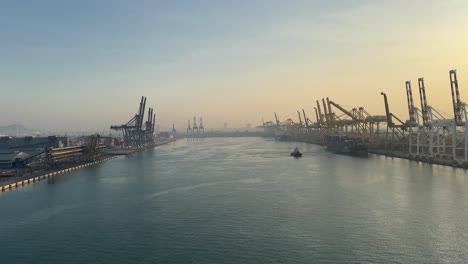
column 242, row 200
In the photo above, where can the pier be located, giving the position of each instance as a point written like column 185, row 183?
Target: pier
column 128, row 151
column 31, row 178
column 27, row 178
column 427, row 135
column 52, row 157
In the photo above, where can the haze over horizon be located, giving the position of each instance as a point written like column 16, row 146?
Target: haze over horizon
column 85, row 65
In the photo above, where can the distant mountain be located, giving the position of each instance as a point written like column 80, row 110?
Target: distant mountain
column 19, row 131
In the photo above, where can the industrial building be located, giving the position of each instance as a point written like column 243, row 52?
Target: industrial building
column 16, row 152
column 20, row 143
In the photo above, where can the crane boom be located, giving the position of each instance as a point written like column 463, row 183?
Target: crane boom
column 344, row 111
column 306, row 120
column 424, row 106
column 457, row 107
column 319, row 117
column 300, row 120
column 277, row 120
column 411, row 108
column 332, row 118
column 387, row 111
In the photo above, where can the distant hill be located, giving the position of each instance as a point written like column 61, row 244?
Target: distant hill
column 19, row 131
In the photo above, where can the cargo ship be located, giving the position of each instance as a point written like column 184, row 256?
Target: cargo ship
column 282, row 135
column 343, row 144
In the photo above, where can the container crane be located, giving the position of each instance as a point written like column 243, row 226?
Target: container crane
column 189, row 128
column 317, row 116
column 332, row 116
column 425, row 109
column 327, row 117
column 397, row 130
column 461, row 119
column 413, row 111
column 300, row 120
column 359, row 124
column 136, row 133
column 414, row 136
column 201, row 127
column 194, row 126
column 306, row 120
column 458, row 106
column 277, row 120
column 320, row 116
column 300, row 126
column 435, row 128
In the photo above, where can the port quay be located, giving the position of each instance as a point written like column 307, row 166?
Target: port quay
column 427, row 136
column 32, row 179
column 27, row 160
column 234, row 132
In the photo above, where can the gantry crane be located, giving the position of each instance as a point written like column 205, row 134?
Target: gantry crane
column 194, row 126
column 358, row 126
column 395, row 132
column 435, row 130
column 461, row 120
column 306, row 121
column 189, row 128
column 300, row 122
column 415, row 130
column 137, row 133
column 201, row 127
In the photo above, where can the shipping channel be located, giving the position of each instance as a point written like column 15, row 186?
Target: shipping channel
column 240, row 200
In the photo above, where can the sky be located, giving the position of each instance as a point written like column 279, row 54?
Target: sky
column 84, row 65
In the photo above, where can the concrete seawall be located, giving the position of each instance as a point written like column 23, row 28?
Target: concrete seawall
column 50, row 174
column 134, row 150
column 113, row 155
column 402, row 155
column 437, row 161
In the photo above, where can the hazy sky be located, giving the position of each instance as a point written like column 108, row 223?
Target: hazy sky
column 85, row 64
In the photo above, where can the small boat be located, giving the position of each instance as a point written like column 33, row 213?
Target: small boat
column 296, row 153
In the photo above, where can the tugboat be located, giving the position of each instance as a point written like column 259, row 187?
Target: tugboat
column 296, row 153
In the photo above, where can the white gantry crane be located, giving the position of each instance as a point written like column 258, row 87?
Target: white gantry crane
column 415, row 129
column 459, row 138
column 435, row 130
column 438, row 137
